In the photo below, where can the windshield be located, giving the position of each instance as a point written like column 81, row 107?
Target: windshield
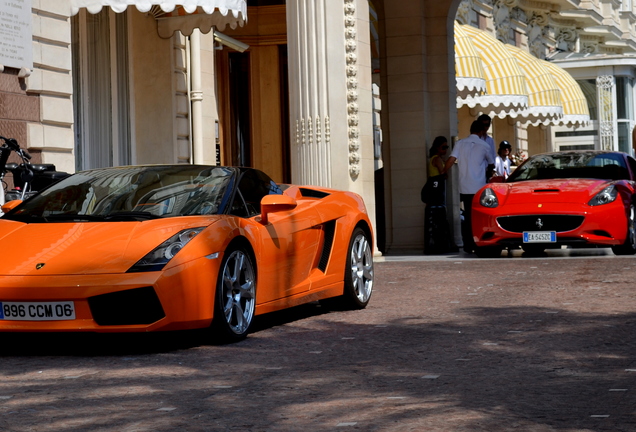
column 608, row 166
column 131, row 193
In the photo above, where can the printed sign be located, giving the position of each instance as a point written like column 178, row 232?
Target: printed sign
column 16, row 34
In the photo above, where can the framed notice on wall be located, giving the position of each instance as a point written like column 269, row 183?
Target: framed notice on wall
column 16, row 34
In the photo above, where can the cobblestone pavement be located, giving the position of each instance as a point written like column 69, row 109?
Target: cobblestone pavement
column 539, row 344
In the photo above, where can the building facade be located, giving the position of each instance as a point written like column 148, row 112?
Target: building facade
column 341, row 93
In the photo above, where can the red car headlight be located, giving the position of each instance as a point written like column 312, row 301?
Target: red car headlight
column 488, row 198
column 605, row 196
column 156, row 259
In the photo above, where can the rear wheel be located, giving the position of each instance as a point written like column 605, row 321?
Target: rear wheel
column 235, row 296
column 358, row 277
column 359, row 274
column 629, row 247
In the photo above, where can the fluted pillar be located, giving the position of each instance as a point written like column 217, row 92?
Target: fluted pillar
column 331, row 94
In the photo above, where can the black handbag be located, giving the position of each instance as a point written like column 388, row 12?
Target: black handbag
column 434, row 190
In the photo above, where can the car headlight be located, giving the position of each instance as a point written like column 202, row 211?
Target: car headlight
column 605, row 196
column 156, row 259
column 488, row 198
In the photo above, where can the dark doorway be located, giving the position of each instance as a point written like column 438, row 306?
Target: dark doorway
column 239, row 64
column 284, row 107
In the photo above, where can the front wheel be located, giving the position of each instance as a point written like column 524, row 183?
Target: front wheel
column 235, row 296
column 629, row 247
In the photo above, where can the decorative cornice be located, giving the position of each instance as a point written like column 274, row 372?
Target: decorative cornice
column 538, row 5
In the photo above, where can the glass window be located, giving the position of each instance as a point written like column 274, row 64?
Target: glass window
column 131, row 193
column 253, row 186
column 591, row 165
column 625, row 98
column 624, row 137
column 589, row 90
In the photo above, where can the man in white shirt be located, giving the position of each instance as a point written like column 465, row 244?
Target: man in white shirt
column 474, row 161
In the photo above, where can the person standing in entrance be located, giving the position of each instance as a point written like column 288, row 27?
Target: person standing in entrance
column 502, row 161
column 437, row 238
column 474, row 159
column 486, row 121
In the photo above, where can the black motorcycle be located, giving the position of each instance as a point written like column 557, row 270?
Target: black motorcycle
column 28, row 178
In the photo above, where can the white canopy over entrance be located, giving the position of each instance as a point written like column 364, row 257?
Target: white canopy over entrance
column 181, row 15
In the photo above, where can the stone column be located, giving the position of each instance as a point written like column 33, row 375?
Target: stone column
column 331, row 95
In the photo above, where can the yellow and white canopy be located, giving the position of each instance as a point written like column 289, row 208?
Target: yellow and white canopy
column 506, row 90
column 575, row 109
column 544, row 95
column 469, row 74
column 518, row 85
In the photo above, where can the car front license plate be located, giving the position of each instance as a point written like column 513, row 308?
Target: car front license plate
column 539, row 237
column 37, row 311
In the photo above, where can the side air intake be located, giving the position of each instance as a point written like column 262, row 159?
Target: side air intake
column 312, row 193
column 329, row 230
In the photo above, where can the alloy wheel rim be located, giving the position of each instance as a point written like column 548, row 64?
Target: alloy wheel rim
column 239, row 289
column 362, row 268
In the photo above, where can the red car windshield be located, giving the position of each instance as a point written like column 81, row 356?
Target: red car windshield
column 564, row 165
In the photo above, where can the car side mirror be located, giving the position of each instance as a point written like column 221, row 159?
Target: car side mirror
column 275, row 203
column 10, row 205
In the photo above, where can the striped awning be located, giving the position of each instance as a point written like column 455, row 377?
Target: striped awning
column 507, row 93
column 544, row 95
column 469, row 74
column 575, row 109
column 177, row 15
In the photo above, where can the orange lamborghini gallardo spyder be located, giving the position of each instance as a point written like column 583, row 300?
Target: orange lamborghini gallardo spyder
column 170, row 247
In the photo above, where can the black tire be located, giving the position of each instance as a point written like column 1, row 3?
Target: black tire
column 235, row 296
column 488, row 251
column 629, row 247
column 358, row 277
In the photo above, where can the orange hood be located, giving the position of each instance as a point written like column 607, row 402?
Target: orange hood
column 79, row 248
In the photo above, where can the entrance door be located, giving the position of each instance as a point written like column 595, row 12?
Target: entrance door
column 253, row 109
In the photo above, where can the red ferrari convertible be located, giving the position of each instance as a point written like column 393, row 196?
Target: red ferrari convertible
column 574, row 198
column 170, row 247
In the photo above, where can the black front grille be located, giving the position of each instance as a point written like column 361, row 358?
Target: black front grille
column 558, row 223
column 130, row 307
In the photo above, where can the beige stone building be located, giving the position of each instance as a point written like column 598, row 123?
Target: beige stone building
column 342, row 93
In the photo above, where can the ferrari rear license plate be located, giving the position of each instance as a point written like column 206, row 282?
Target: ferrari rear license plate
column 539, row 237
column 37, row 311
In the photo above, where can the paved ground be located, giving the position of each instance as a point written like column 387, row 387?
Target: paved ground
column 449, row 344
